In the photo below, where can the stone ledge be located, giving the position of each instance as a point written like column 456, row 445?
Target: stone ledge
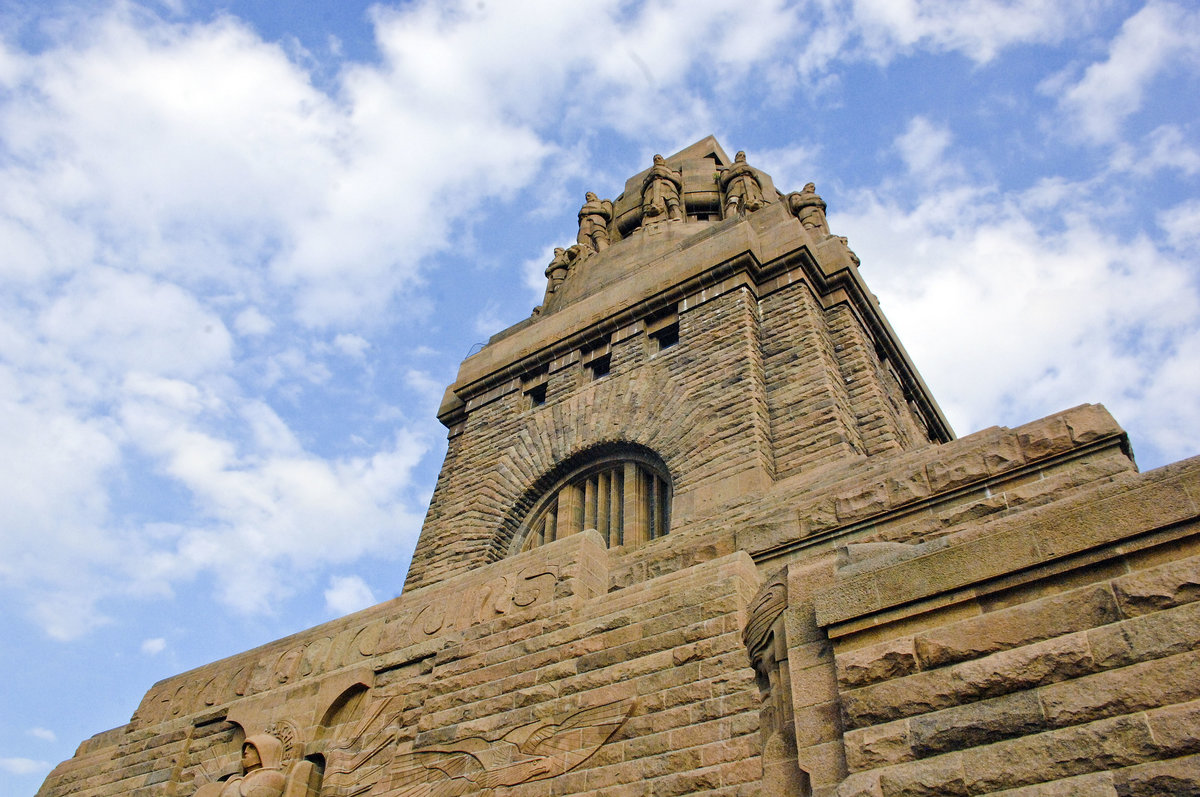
column 1014, row 543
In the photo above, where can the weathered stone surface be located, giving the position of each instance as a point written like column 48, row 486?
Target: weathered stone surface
column 1147, row 685
column 1107, row 744
column 1002, row 629
column 974, row 724
column 892, row 659
column 1159, row 588
column 1179, row 777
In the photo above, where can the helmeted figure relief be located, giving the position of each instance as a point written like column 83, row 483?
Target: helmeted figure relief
column 766, row 644
column 536, row 751
column 262, row 771
column 594, row 218
column 810, row 210
column 268, row 770
column 660, row 192
column 740, row 186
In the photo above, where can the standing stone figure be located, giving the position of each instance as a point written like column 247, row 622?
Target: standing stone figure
column 810, row 210
column 739, row 183
column 556, row 272
column 766, row 644
column 594, row 217
column 262, row 771
column 660, row 192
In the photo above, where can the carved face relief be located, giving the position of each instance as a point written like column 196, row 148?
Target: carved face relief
column 251, row 760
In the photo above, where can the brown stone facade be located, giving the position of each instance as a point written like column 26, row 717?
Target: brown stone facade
column 847, row 601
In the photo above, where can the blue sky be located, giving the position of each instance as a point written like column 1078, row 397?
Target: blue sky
column 244, row 246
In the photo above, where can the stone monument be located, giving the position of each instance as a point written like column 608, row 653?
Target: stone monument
column 702, row 529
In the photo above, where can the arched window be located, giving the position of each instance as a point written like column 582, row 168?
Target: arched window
column 626, row 496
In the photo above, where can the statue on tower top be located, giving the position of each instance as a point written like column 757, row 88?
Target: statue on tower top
column 741, row 187
column 660, row 192
column 594, row 218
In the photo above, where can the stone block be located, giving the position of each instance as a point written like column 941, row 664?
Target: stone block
column 1178, row 777
column 863, row 501
column 975, row 724
column 878, row 746
column 894, row 658
column 906, row 487
column 942, row 776
column 1044, row 437
column 1176, row 728
column 1093, row 784
column 1090, row 422
column 1159, row 587
column 1001, row 673
column 956, row 469
column 1127, row 690
column 1056, row 754
column 1147, row 636
column 1003, row 455
column 1015, row 626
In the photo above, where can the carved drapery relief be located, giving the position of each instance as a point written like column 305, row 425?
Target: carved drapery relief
column 437, row 615
column 359, row 756
column 477, row 765
column 810, row 210
column 740, row 187
column 766, row 643
column 660, row 192
column 594, row 218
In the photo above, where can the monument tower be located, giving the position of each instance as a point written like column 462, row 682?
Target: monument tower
column 701, row 528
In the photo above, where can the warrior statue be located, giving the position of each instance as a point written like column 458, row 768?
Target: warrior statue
column 742, row 189
column 660, row 192
column 810, row 209
column 594, row 217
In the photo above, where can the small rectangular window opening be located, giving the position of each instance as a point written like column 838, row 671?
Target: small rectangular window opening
column 663, row 330
column 534, row 387
column 666, row 337
column 600, row 366
column 597, row 360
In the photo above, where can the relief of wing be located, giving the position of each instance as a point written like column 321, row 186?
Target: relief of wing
column 432, row 773
column 573, row 740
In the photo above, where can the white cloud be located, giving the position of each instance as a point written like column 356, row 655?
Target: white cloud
column 1182, row 225
column 45, row 734
column 24, row 766
column 881, row 30
column 353, row 346
column 1160, row 36
column 923, row 147
column 346, row 594
column 1165, row 148
column 153, row 646
column 252, row 322
column 1014, row 309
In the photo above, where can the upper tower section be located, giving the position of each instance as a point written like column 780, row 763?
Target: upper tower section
column 703, row 337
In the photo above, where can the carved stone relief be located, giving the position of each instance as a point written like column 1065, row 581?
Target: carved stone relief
column 361, row 752
column 766, row 644
column 477, row 765
column 436, row 615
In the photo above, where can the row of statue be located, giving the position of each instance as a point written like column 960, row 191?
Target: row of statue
column 741, row 189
